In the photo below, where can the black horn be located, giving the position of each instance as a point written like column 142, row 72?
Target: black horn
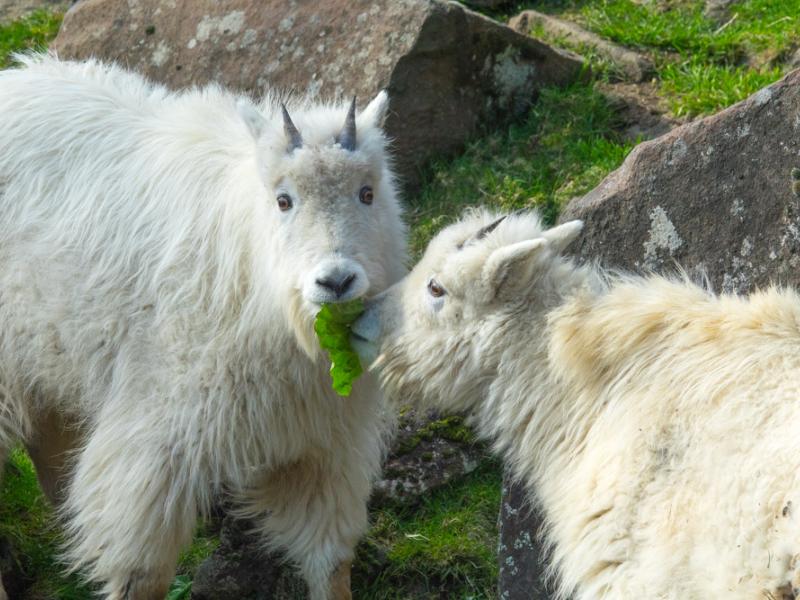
column 347, row 136
column 482, row 232
column 292, row 134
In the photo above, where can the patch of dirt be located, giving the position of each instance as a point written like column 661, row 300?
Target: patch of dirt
column 641, row 113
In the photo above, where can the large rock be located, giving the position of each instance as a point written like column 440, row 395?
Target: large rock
column 715, row 196
column 450, row 72
column 488, row 4
column 520, row 556
column 426, row 454
column 632, row 65
column 240, row 569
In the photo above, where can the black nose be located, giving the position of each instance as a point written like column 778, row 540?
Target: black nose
column 337, row 286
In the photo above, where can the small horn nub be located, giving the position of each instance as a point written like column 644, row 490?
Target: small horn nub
column 484, row 231
column 295, row 140
column 347, row 136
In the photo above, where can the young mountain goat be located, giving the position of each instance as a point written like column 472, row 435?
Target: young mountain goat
column 162, row 257
column 655, row 423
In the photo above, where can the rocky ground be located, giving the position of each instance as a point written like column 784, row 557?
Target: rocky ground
column 513, row 118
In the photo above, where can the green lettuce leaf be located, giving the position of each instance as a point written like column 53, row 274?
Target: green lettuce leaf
column 332, row 326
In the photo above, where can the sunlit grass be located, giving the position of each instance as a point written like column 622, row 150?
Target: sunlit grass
column 564, row 147
column 33, row 32
column 445, row 548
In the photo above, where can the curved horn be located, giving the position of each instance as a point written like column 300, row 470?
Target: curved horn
column 347, row 136
column 292, row 134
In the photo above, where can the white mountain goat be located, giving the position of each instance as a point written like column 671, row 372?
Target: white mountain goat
column 657, row 425
column 162, row 257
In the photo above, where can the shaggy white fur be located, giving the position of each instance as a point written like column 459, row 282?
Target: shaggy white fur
column 156, row 310
column 655, row 423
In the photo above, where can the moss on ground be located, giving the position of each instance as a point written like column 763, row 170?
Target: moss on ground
column 451, row 428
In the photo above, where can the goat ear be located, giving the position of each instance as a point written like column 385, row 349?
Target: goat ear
column 515, row 262
column 561, row 236
column 254, row 120
column 375, row 112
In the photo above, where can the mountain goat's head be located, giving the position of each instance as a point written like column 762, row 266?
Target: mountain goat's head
column 439, row 333
column 336, row 231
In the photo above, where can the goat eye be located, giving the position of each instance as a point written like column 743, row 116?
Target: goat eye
column 284, row 202
column 366, row 195
column 435, row 290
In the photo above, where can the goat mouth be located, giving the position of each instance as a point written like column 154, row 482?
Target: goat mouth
column 367, row 350
column 359, row 338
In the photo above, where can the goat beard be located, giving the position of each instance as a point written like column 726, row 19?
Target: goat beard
column 301, row 322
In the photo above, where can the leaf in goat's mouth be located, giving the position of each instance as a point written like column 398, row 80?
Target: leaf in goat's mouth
column 332, row 326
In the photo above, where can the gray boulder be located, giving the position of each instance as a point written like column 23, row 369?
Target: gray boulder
column 241, row 569
column 714, row 196
column 428, row 452
column 632, row 65
column 488, row 4
column 521, row 558
column 450, row 72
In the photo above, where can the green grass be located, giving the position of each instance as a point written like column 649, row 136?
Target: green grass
column 755, row 26
column 33, row 32
column 701, row 66
column 28, row 522
column 564, row 148
column 694, row 87
column 445, row 548
column 707, row 66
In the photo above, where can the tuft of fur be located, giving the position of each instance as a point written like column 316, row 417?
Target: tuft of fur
column 154, row 296
column 654, row 421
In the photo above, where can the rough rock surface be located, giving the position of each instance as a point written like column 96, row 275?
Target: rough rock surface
column 714, row 195
column 11, row 10
column 632, row 65
column 449, row 71
column 15, row 582
column 241, row 569
column 490, row 4
column 794, row 60
column 427, row 453
column 520, row 557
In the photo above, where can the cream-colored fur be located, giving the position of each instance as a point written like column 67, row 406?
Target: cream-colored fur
column 655, row 422
column 156, row 313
